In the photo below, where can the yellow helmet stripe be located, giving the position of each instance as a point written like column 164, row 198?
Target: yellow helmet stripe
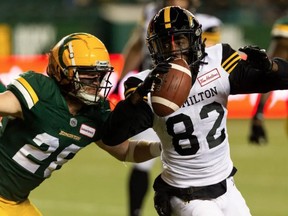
column 27, row 91
column 167, row 19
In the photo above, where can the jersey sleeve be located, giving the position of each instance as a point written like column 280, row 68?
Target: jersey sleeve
column 29, row 87
column 2, row 87
column 230, row 58
column 244, row 79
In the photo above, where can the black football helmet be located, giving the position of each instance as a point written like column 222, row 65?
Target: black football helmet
column 166, row 27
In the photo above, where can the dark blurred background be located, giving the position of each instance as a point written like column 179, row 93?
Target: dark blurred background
column 33, row 26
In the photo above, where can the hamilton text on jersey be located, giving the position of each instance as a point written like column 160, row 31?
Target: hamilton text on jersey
column 196, row 98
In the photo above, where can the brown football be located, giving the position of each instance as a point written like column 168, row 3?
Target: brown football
column 173, row 90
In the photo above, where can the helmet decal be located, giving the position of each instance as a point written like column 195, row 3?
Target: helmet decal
column 191, row 21
column 67, row 46
column 167, row 18
column 71, row 53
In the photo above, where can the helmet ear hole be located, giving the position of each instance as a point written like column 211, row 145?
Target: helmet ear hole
column 70, row 73
column 53, row 70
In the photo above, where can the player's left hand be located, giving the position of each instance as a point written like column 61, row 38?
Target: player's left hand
column 257, row 134
column 257, row 57
column 162, row 204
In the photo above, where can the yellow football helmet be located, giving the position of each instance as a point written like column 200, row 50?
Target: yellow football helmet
column 211, row 29
column 80, row 64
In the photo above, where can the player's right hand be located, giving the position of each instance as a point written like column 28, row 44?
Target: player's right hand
column 257, row 57
column 148, row 84
column 257, row 132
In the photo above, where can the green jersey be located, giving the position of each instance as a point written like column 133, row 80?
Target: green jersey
column 47, row 137
column 2, row 87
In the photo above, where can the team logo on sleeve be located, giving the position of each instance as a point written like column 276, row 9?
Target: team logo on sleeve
column 87, row 130
column 208, row 77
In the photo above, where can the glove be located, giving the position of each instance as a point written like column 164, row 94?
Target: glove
column 257, row 133
column 153, row 78
column 257, row 57
column 162, row 204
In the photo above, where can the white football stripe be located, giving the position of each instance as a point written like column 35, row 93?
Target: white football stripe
column 181, row 68
column 165, row 102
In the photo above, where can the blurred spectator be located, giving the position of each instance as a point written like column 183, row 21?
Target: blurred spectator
column 278, row 48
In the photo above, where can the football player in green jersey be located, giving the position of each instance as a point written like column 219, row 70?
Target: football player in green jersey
column 55, row 116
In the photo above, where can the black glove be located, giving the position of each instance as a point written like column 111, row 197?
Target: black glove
column 148, row 84
column 257, row 133
column 257, row 57
column 162, row 204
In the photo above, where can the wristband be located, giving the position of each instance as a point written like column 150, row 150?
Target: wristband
column 130, row 154
column 155, row 149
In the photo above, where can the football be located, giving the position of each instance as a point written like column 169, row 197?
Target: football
column 173, row 90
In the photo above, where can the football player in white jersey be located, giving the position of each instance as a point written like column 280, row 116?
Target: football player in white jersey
column 197, row 176
column 137, row 58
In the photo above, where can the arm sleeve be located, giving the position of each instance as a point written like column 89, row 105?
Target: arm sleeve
column 125, row 121
column 245, row 79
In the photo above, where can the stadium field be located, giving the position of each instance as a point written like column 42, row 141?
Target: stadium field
column 94, row 183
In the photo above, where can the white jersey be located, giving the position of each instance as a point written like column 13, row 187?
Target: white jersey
column 208, row 21
column 199, row 153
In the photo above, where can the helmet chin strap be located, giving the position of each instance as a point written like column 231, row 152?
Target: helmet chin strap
column 173, row 42
column 88, row 99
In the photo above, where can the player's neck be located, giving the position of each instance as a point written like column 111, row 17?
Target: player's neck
column 74, row 105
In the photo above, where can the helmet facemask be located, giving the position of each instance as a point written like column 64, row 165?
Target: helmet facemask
column 89, row 84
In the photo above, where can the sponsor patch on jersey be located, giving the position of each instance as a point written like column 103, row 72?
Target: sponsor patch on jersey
column 208, row 77
column 87, row 130
column 72, row 136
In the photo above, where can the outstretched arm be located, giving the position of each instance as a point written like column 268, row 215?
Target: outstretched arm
column 278, row 47
column 10, row 105
column 133, row 151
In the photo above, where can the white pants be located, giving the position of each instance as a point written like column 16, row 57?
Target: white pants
column 229, row 204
